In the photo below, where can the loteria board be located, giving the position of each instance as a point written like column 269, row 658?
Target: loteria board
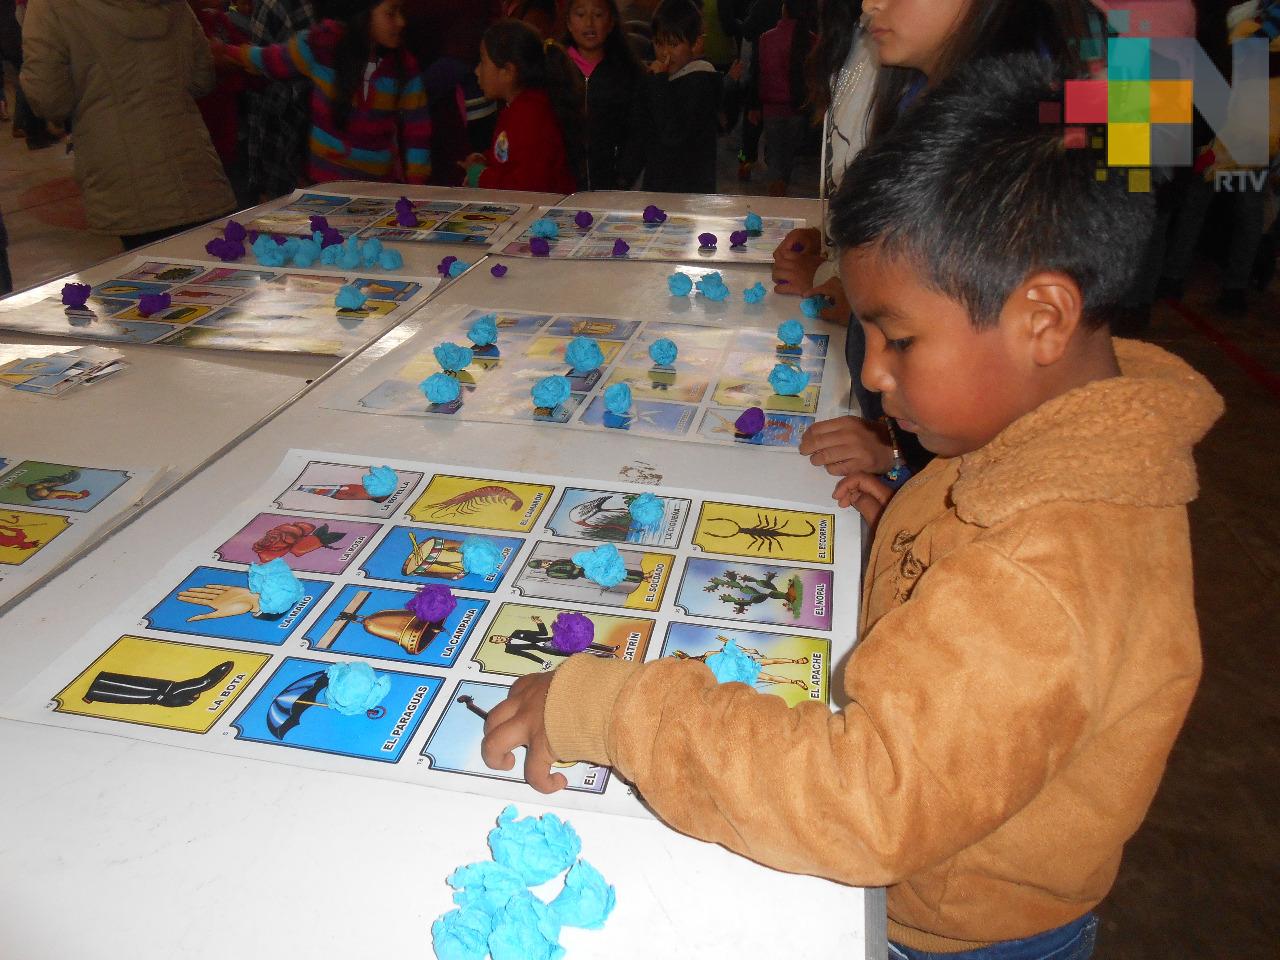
column 438, row 221
column 718, row 373
column 228, row 307
column 187, row 661
column 674, row 239
column 50, row 512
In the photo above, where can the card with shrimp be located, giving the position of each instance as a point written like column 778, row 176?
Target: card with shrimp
column 338, row 488
column 217, row 602
column 486, row 504
column 770, row 533
column 306, row 544
column 793, row 667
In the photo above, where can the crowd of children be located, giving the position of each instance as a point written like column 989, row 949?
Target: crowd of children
column 1028, row 646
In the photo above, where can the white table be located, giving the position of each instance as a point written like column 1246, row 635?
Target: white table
column 116, row 846
column 420, row 259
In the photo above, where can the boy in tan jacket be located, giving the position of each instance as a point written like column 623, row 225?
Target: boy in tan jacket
column 1028, row 635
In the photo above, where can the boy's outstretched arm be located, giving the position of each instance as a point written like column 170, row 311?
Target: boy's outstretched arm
column 919, row 766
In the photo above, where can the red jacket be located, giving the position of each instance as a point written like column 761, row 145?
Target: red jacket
column 528, row 151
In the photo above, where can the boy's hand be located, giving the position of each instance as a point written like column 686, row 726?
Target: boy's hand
column 866, row 493
column 734, row 72
column 518, row 722
column 838, row 308
column 659, row 66
column 848, row 445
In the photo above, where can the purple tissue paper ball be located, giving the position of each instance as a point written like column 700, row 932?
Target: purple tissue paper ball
column 620, row 248
column 707, row 241
column 499, row 270
column 572, row 632
column 234, row 231
column 539, row 247
column 584, row 219
column 76, row 295
column 443, row 266
column 332, row 237
column 318, row 223
column 738, row 238
column 654, row 214
column 751, row 422
column 432, row 603
column 150, row 303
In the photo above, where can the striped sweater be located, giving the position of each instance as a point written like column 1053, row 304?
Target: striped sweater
column 391, row 109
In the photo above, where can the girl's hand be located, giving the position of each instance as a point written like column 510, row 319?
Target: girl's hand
column 734, row 72
column 838, row 308
column 796, row 260
column 867, row 494
column 808, row 239
column 518, row 722
column 848, row 445
column 471, row 160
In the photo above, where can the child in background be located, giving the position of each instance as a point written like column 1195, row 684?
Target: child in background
column 918, row 44
column 684, row 94
column 1028, row 640
column 780, row 90
column 613, row 84
column 221, row 109
column 537, row 83
column 369, row 118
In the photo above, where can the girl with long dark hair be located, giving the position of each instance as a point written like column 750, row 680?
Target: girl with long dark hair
column 369, row 117
column 539, row 86
column 612, row 88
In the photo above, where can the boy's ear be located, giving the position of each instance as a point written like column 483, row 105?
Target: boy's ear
column 699, row 45
column 1048, row 308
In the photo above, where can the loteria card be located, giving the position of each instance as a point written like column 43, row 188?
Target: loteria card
column 454, row 745
column 422, row 555
column 306, row 544
column 551, row 573
column 59, row 486
column 792, row 667
column 756, row 592
column 338, row 488
column 475, row 502
column 519, row 640
column 376, row 622
column 293, row 710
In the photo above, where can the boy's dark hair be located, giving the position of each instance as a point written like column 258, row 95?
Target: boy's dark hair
column 977, row 193
column 681, row 19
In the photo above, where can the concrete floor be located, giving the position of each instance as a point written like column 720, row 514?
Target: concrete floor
column 1200, row 878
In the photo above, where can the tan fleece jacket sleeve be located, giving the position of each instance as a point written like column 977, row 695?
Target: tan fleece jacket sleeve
column 918, row 767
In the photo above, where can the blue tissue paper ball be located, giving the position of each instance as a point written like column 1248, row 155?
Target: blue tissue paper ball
column 441, row 388
column 617, row 398
column 663, row 352
column 583, row 354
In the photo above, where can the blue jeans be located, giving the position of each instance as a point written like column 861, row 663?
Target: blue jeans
column 1073, row 942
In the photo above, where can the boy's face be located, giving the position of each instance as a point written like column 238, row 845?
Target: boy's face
column 676, row 52
column 952, row 385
